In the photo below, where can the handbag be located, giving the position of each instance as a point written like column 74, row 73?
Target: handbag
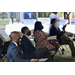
column 55, row 43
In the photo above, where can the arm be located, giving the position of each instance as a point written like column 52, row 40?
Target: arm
column 54, row 31
column 17, row 56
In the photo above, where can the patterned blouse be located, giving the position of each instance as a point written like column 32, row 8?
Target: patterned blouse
column 41, row 40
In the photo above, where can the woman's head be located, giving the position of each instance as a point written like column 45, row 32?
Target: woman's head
column 38, row 26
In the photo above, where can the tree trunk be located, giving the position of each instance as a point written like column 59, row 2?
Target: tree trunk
column 49, row 14
column 67, row 16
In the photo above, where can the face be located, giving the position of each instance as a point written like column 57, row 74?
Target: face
column 27, row 32
column 41, row 26
column 18, row 36
column 55, row 22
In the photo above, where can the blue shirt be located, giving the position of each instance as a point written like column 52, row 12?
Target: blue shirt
column 29, row 15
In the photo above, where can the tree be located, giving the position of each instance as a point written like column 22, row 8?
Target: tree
column 67, row 16
column 43, row 14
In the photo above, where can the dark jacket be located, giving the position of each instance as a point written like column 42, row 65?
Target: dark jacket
column 56, row 31
column 28, row 48
column 14, row 54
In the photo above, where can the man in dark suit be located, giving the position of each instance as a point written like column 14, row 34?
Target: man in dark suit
column 29, row 51
column 63, row 39
column 14, row 53
column 29, row 15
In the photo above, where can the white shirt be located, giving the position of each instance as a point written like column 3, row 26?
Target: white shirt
column 51, row 17
column 15, row 43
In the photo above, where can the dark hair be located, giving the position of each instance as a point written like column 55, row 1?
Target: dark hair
column 23, row 29
column 37, row 26
column 55, row 12
column 53, row 20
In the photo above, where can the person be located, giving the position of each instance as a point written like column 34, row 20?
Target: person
column 41, row 38
column 54, row 15
column 61, row 36
column 29, row 15
column 14, row 53
column 29, row 51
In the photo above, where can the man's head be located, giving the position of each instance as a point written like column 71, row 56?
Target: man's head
column 26, row 31
column 55, row 12
column 53, row 21
column 15, row 36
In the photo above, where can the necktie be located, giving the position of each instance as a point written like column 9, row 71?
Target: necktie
column 18, row 48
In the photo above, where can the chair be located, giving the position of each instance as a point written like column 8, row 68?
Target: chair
column 3, row 48
column 61, row 49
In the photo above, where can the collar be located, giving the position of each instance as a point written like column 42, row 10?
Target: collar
column 15, row 43
column 25, row 35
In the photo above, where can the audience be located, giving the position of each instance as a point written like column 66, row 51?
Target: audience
column 44, row 48
column 14, row 53
column 29, row 51
column 29, row 15
column 41, row 38
column 63, row 39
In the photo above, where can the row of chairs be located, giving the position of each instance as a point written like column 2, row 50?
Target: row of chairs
column 4, row 47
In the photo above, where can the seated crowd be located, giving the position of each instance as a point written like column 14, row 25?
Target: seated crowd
column 26, row 52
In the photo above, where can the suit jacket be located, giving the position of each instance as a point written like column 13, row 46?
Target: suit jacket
column 56, row 31
column 28, row 48
column 26, row 15
column 14, row 54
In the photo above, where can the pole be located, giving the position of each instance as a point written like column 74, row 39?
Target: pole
column 12, row 19
column 36, row 16
column 18, row 16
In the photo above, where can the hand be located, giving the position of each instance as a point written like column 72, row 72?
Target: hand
column 34, row 60
column 64, row 27
column 47, row 35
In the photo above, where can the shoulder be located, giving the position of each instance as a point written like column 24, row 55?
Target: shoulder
column 11, row 46
column 52, row 27
column 24, row 38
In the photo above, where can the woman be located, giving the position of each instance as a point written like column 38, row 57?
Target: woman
column 41, row 38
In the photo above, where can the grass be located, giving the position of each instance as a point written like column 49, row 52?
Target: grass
column 4, row 22
column 66, row 57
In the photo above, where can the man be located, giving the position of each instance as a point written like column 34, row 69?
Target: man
column 14, row 53
column 54, row 15
column 63, row 39
column 29, row 15
column 29, row 51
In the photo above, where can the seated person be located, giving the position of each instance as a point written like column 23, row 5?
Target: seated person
column 14, row 53
column 63, row 39
column 29, row 15
column 41, row 38
column 29, row 51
